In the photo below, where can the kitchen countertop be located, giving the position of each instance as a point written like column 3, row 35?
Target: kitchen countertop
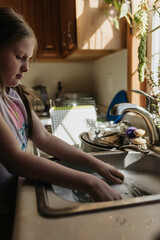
column 138, row 222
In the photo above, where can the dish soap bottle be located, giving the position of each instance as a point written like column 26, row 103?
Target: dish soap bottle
column 59, row 90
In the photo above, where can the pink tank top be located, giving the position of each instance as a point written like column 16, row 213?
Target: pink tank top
column 14, row 113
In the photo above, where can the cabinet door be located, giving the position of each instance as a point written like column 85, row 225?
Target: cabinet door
column 67, row 26
column 42, row 16
column 94, row 30
column 16, row 4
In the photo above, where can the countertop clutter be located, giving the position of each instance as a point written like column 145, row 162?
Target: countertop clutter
column 136, row 222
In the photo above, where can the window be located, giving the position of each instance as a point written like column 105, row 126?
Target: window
column 155, row 61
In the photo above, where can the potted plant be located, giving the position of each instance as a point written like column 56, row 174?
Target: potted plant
column 139, row 21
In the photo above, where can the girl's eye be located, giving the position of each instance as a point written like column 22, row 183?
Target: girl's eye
column 19, row 58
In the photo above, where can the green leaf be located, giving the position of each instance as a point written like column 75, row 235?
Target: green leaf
column 137, row 17
column 117, row 5
column 108, row 1
column 128, row 21
column 131, row 15
column 116, row 23
column 124, row 10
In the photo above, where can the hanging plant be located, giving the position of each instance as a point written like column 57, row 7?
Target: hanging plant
column 143, row 28
column 141, row 19
column 155, row 86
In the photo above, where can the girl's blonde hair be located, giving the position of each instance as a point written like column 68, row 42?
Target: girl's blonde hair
column 13, row 27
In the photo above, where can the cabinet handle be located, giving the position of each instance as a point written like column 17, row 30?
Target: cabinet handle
column 64, row 42
column 49, row 46
column 69, row 31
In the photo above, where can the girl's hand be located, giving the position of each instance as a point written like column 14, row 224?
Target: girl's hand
column 109, row 172
column 99, row 190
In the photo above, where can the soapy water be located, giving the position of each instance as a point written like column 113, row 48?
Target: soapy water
column 126, row 190
column 135, row 185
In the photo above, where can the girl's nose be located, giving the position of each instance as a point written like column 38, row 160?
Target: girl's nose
column 25, row 67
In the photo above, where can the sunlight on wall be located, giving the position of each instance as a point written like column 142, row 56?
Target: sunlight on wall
column 93, row 3
column 100, row 38
column 94, row 30
column 80, row 8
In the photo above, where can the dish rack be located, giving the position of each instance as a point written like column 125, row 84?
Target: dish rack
column 69, row 102
column 69, row 121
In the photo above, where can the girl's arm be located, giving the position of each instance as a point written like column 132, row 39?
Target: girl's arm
column 27, row 165
column 60, row 149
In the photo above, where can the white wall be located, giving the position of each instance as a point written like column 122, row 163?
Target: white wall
column 103, row 77
column 75, row 77
column 110, row 76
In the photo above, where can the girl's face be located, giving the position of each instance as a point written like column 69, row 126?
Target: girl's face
column 14, row 61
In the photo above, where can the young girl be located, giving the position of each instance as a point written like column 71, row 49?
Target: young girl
column 18, row 122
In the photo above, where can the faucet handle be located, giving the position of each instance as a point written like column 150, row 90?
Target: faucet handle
column 149, row 98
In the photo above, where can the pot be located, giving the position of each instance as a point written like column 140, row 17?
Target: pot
column 87, row 147
column 114, row 141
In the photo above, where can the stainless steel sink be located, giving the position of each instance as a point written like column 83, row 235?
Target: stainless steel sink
column 141, row 186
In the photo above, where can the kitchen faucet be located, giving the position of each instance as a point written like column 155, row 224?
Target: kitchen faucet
column 122, row 108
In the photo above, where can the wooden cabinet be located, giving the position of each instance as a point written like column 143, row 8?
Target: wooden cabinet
column 67, row 18
column 94, row 30
column 53, row 22
column 16, row 4
column 74, row 29
column 54, row 25
column 42, row 16
column 96, row 35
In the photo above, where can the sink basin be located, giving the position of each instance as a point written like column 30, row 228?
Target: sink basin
column 141, row 186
